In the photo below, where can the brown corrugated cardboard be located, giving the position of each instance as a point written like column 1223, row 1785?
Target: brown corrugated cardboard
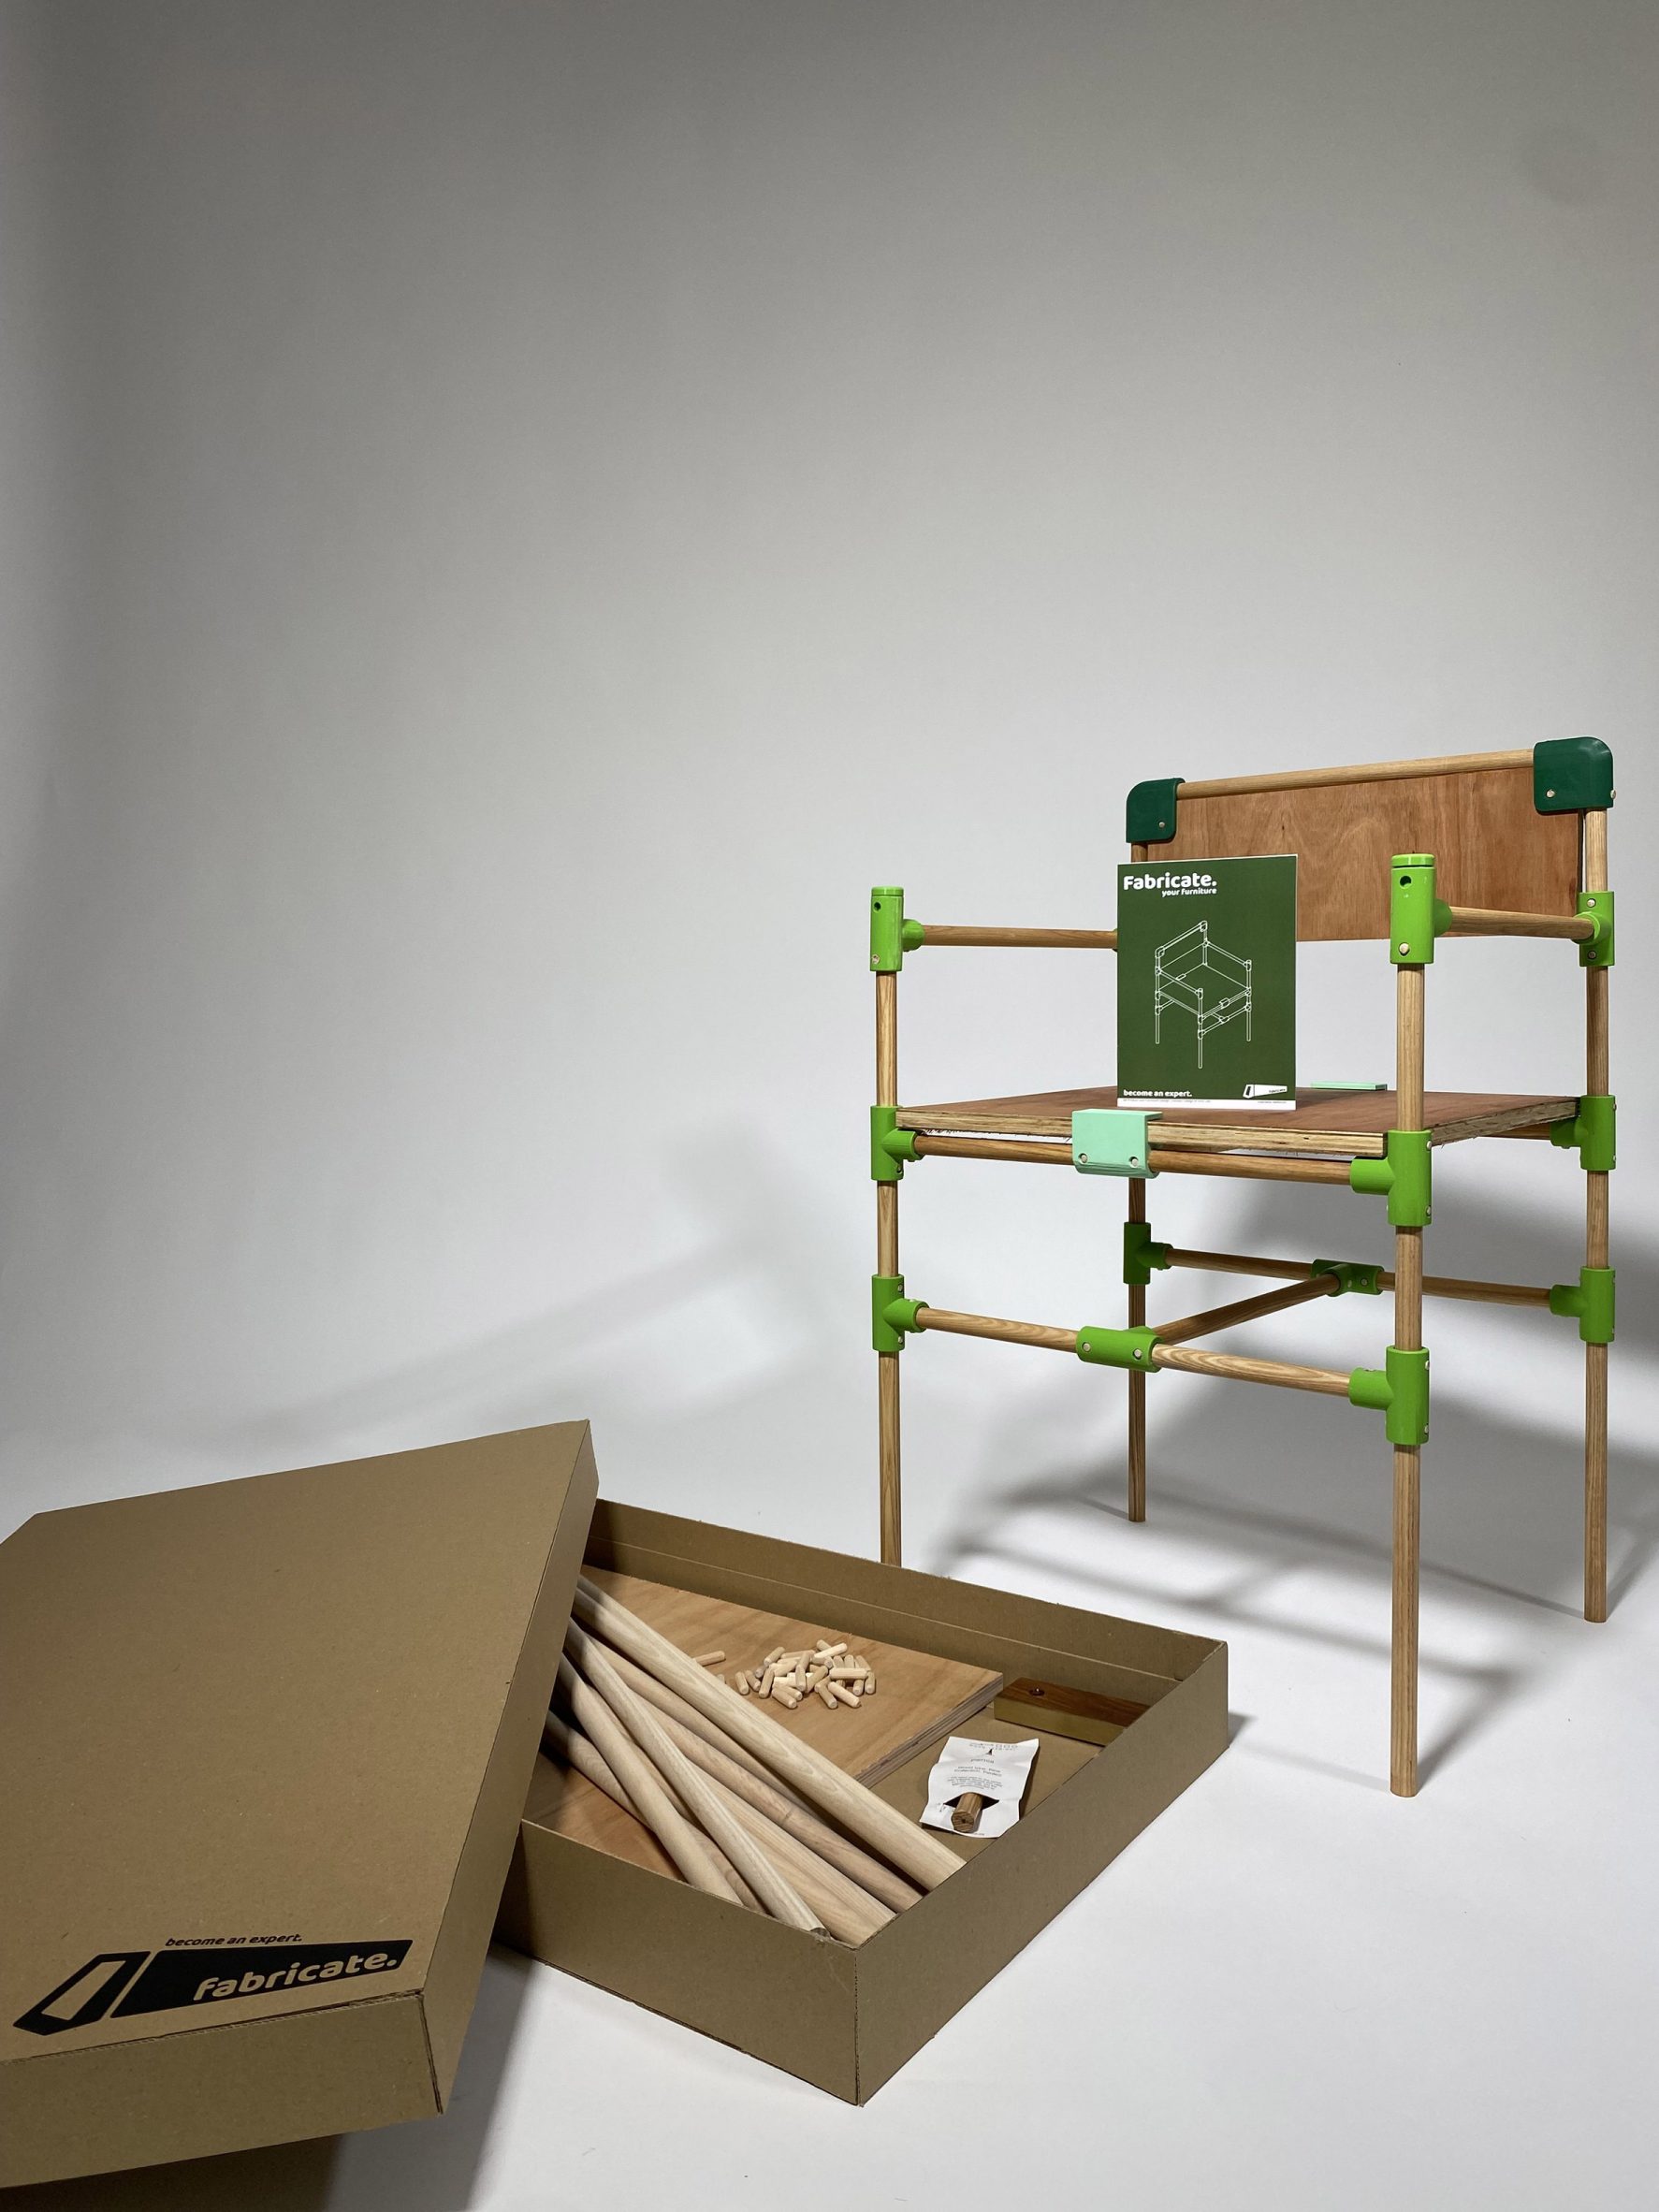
column 263, row 1749
column 847, row 2018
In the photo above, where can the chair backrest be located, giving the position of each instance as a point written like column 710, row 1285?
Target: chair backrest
column 1492, row 847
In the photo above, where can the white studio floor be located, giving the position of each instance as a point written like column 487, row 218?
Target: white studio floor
column 1294, row 1991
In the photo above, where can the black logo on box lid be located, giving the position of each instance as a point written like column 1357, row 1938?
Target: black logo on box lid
column 172, row 1980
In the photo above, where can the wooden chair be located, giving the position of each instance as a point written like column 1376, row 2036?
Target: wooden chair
column 1500, row 844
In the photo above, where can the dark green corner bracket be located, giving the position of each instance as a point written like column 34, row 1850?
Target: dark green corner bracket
column 1403, row 1176
column 1150, row 815
column 1592, row 1133
column 890, row 935
column 1589, row 1301
column 1142, row 1253
column 1117, row 1347
column 893, row 1316
column 1351, row 1275
column 1570, row 774
column 1416, row 916
column 1597, row 951
column 890, row 1145
column 1399, row 1391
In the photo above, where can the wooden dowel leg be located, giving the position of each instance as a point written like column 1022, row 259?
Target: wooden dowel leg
column 1409, row 1336
column 1136, row 1497
column 887, row 1390
column 1596, row 1252
column 1403, row 1697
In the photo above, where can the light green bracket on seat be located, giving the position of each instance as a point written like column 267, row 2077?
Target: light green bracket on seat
column 1111, row 1140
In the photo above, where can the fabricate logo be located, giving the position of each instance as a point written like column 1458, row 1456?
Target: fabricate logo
column 182, row 1977
column 1165, row 881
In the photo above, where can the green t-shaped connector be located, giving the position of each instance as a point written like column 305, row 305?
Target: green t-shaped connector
column 1399, row 1391
column 1142, row 1253
column 893, row 1316
column 1597, row 951
column 1403, row 1176
column 887, row 930
column 1117, row 1347
column 890, row 1145
column 1590, row 1301
column 1416, row 916
column 1592, row 1133
column 1352, row 1274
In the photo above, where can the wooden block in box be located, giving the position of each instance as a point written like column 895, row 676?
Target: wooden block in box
column 842, row 2017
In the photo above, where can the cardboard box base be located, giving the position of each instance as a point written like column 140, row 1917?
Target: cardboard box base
column 847, row 2018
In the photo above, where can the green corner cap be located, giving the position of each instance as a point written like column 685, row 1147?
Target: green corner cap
column 1404, row 1176
column 890, row 1145
column 1117, row 1347
column 892, row 1313
column 1598, row 907
column 1592, row 1133
column 1142, row 1253
column 1150, row 817
column 1590, row 1301
column 1399, row 1391
column 887, row 930
column 1570, row 774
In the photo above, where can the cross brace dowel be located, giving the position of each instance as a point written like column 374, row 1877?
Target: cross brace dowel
column 1245, row 1263
column 1047, row 1153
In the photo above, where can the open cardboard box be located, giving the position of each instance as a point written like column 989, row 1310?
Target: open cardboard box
column 264, row 1754
column 847, row 2017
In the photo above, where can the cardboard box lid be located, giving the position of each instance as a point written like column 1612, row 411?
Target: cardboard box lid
column 263, row 1749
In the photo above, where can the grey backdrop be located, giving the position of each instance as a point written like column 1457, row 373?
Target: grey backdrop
column 515, row 516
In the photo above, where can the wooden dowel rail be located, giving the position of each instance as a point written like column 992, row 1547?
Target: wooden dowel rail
column 1493, row 922
column 1031, row 1333
column 1244, row 1309
column 939, row 933
column 1056, row 1153
column 1231, row 1367
column 1226, row 1365
column 1462, row 763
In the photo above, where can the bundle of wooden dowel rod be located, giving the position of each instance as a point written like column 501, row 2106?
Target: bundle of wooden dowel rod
column 744, row 1809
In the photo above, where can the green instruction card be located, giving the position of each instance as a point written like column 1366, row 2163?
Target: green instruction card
column 1206, row 982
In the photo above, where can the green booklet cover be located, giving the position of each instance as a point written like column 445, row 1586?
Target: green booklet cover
column 1206, row 982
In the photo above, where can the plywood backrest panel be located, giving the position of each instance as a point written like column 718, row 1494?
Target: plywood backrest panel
column 1493, row 848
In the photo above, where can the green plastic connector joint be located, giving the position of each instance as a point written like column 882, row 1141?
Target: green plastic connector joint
column 1149, row 818
column 890, row 1145
column 1592, row 1133
column 1597, row 951
column 887, row 930
column 1416, row 916
column 1352, row 1274
column 1142, row 1253
column 1111, row 1140
column 893, row 1316
column 1404, row 1176
column 1590, row 1301
column 1117, row 1347
column 1399, row 1391
column 1570, row 774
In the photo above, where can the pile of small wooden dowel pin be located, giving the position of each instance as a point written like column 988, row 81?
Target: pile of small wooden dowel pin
column 838, row 1678
column 744, row 1809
